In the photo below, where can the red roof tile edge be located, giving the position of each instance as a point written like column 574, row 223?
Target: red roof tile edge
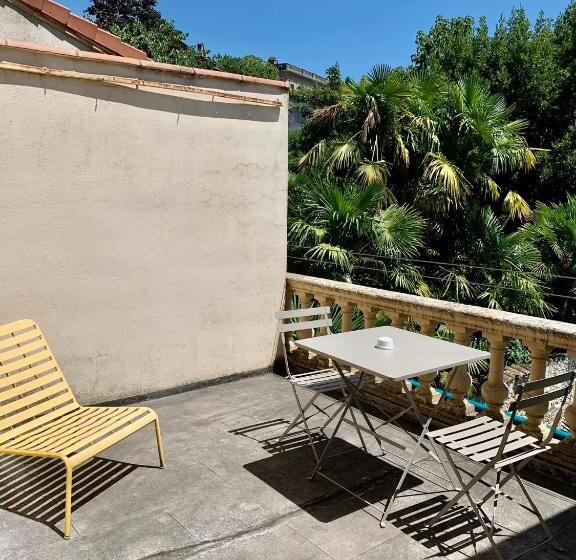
column 150, row 64
column 83, row 28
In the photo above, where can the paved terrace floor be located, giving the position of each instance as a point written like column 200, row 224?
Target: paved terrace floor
column 229, row 493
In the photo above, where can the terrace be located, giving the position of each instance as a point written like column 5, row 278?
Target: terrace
column 229, row 492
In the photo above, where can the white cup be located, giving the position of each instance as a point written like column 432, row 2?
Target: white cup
column 385, row 343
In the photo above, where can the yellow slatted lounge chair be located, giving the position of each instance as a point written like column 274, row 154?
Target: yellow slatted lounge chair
column 40, row 417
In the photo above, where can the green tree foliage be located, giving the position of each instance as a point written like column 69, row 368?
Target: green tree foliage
column 107, row 13
column 534, row 66
column 249, row 65
column 415, row 156
column 140, row 24
column 161, row 42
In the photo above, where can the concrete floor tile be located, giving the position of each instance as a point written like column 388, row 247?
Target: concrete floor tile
column 135, row 538
column 350, row 532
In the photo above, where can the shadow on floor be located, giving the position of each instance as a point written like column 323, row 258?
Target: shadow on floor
column 291, row 462
column 33, row 487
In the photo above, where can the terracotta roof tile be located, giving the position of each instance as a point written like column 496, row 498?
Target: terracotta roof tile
column 83, row 28
column 56, row 11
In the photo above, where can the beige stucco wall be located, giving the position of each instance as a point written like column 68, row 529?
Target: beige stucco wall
column 20, row 24
column 144, row 230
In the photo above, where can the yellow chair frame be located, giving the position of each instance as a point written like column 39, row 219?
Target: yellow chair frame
column 40, row 417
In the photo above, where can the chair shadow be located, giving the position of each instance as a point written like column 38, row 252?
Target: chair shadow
column 455, row 531
column 290, row 463
column 34, row 487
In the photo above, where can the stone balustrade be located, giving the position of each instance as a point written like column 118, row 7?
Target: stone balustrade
column 541, row 336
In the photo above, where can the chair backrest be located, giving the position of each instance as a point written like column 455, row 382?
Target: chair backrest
column 302, row 324
column 526, row 398
column 33, row 389
column 305, row 321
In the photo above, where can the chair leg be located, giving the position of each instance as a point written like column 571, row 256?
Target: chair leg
column 68, row 502
column 475, row 507
column 159, row 442
column 298, row 420
column 536, row 512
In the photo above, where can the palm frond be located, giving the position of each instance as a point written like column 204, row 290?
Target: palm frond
column 369, row 172
column 516, row 207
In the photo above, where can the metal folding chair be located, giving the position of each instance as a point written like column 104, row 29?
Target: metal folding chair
column 321, row 382
column 498, row 446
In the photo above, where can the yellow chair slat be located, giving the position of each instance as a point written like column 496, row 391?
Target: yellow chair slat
column 12, row 432
column 113, row 438
column 40, row 417
column 25, row 361
column 25, row 374
column 69, row 425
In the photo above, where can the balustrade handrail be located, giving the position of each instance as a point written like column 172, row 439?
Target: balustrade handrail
column 539, row 335
column 554, row 334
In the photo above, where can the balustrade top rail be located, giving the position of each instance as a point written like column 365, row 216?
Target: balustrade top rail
column 555, row 334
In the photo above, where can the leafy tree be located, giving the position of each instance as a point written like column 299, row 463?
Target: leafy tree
column 249, row 65
column 161, row 42
column 109, row 13
column 140, row 24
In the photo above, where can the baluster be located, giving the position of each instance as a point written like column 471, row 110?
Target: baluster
column 306, row 301
column 539, row 356
column 323, row 301
column 423, row 393
column 398, row 321
column 347, row 309
column 494, row 389
column 370, row 314
column 570, row 412
column 462, row 380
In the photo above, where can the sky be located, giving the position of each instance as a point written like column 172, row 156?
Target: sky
column 314, row 34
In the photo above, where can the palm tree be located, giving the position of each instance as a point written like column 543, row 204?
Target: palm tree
column 339, row 230
column 439, row 144
column 553, row 231
column 507, row 271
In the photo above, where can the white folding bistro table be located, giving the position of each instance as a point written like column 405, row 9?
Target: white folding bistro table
column 413, row 355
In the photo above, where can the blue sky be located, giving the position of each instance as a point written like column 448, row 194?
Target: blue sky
column 316, row 33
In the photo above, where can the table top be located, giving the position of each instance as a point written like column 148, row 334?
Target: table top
column 413, row 354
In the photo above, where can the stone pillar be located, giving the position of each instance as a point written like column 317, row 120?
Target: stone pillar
column 535, row 414
column 423, row 393
column 457, row 406
column 494, row 390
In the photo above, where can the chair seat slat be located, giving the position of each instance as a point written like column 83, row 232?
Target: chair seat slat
column 493, row 433
column 33, row 398
column 38, row 344
column 459, row 427
column 479, row 429
column 57, row 435
column 491, row 443
column 111, row 439
column 518, row 444
column 36, row 410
